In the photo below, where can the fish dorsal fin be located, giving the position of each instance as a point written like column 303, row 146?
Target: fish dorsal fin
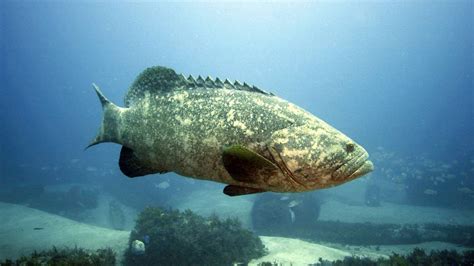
column 152, row 80
column 218, row 83
column 200, row 81
column 160, row 79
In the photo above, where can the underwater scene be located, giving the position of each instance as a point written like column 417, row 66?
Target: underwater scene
column 237, row 133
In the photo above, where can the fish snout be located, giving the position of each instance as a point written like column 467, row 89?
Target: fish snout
column 357, row 166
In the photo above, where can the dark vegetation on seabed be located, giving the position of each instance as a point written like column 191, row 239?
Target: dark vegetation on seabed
column 272, row 216
column 106, row 257
column 185, row 238
column 416, row 257
column 377, row 234
column 67, row 256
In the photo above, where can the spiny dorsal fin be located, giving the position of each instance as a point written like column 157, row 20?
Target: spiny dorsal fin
column 218, row 83
column 228, row 85
column 191, row 81
column 209, row 83
column 182, row 78
column 200, row 81
column 161, row 79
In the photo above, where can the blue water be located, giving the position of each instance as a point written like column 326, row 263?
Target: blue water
column 393, row 75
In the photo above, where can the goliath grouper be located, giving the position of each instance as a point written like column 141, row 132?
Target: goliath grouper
column 231, row 133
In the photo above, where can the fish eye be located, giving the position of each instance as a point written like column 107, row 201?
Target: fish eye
column 350, row 147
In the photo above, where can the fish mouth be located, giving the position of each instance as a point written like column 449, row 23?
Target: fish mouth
column 354, row 168
column 366, row 167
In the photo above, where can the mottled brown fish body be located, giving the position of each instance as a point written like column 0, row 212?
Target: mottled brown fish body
column 233, row 134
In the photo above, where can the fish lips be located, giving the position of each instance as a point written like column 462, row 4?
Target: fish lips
column 366, row 167
column 354, row 168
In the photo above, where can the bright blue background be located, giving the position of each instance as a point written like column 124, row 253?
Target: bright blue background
column 396, row 75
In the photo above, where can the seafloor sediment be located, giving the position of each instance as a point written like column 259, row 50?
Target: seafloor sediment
column 24, row 230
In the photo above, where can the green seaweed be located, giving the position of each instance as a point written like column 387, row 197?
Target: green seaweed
column 375, row 234
column 185, row 238
column 416, row 257
column 67, row 256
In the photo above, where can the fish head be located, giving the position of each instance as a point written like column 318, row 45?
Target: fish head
column 318, row 156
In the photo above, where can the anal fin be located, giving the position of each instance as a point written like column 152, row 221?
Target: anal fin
column 131, row 166
column 232, row 190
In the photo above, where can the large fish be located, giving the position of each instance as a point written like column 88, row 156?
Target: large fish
column 227, row 132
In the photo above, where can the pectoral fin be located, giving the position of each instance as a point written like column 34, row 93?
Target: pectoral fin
column 245, row 165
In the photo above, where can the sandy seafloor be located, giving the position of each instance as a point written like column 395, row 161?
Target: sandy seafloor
column 19, row 237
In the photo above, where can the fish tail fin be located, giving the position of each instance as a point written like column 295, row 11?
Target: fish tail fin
column 110, row 127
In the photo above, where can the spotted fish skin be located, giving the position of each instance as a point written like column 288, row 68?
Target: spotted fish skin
column 186, row 125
